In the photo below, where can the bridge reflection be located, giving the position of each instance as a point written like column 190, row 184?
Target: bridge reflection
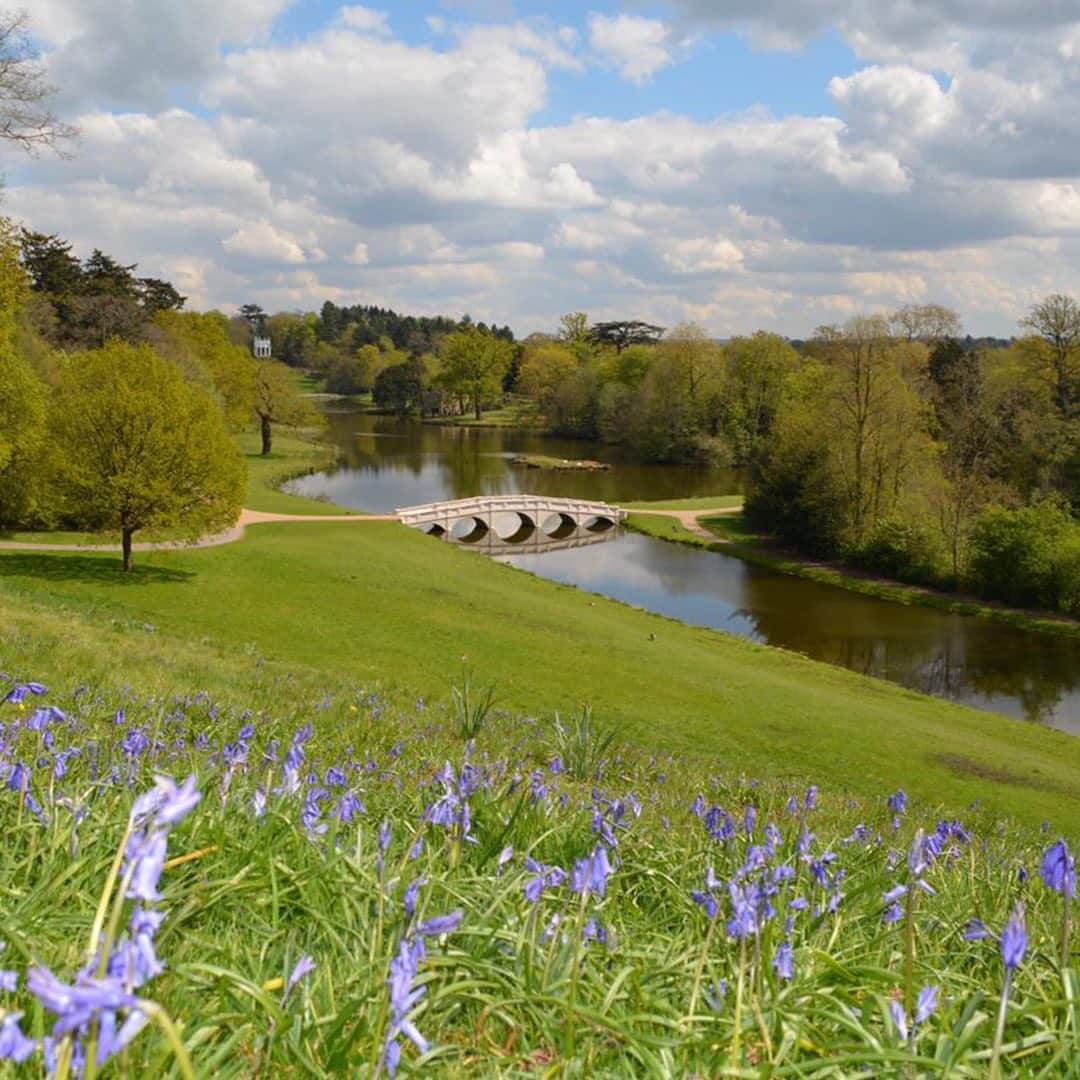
column 531, row 541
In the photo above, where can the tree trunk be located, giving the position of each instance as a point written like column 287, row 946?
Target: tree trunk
column 126, row 535
column 476, row 408
column 267, row 436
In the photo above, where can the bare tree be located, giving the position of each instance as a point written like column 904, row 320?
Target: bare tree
column 928, row 323
column 25, row 118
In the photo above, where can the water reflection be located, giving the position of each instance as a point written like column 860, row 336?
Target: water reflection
column 388, row 463
column 530, row 541
column 990, row 666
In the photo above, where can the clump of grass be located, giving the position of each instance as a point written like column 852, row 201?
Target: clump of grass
column 581, row 744
column 472, row 707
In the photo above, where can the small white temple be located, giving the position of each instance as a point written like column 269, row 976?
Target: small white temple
column 260, row 346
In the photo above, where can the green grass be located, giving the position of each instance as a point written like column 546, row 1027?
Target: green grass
column 702, row 502
column 515, row 988
column 368, row 601
column 515, row 415
column 291, row 456
column 735, row 537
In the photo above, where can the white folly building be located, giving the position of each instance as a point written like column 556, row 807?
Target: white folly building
column 260, row 347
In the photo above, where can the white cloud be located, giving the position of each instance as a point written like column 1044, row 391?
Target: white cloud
column 636, row 47
column 364, row 20
column 260, row 240
column 350, row 164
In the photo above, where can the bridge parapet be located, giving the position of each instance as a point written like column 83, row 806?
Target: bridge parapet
column 534, row 508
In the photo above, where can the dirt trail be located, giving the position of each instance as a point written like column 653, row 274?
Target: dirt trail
column 689, row 520
column 228, row 536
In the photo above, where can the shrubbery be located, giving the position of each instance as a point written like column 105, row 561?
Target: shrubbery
column 1028, row 557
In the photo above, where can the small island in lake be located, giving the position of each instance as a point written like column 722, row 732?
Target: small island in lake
column 539, row 461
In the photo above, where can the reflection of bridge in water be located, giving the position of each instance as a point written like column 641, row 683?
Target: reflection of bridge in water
column 516, row 524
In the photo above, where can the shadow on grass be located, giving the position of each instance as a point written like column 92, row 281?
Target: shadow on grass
column 58, row 566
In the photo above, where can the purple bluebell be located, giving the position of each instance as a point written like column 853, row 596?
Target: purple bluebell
column 975, row 930
column 1014, row 939
column 591, row 873
column 898, row 801
column 505, row 856
column 1058, row 869
column 899, row 1018
column 304, row 966
column 440, row 924
column 411, row 894
column 14, row 1045
column 927, row 1003
column 784, row 961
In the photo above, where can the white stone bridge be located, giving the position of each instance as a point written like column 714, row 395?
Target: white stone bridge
column 512, row 518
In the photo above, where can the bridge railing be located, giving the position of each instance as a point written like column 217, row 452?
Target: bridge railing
column 486, row 504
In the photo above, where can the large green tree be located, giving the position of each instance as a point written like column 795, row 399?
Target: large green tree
column 474, row 363
column 138, row 447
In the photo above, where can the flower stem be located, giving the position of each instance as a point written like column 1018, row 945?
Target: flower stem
column 995, row 1060
column 701, row 968
column 735, row 1039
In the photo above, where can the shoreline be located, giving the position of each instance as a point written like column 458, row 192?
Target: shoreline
column 858, row 581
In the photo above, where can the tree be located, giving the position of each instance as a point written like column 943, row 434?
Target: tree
column 400, row 387
column 49, row 262
column 103, row 275
column 158, row 295
column 277, row 401
column 474, row 363
column 25, row 118
column 229, row 368
column 544, row 369
column 622, row 334
column 757, row 368
column 22, row 396
column 1057, row 321
column 928, row 323
column 140, row 448
column 255, row 317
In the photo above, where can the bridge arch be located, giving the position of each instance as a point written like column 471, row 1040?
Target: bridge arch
column 469, row 529
column 559, row 525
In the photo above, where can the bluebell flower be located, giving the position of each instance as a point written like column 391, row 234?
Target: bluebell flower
column 304, row 966
column 784, row 961
column 1058, row 869
column 927, row 1003
column 898, row 801
column 440, row 924
column 975, row 930
column 1014, row 939
column 899, row 1018
column 14, row 1045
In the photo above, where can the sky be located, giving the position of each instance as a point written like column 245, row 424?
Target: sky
column 745, row 164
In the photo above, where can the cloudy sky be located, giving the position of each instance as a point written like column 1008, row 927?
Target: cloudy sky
column 742, row 163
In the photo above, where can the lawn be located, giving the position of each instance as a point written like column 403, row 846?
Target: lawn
column 291, row 456
column 365, row 601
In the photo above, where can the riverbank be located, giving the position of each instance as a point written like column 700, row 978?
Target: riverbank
column 730, row 535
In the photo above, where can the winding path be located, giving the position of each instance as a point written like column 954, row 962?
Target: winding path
column 261, row 517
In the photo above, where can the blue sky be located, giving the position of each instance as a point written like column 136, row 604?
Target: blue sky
column 749, row 164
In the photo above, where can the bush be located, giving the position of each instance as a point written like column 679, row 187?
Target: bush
column 1028, row 557
column 901, row 549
